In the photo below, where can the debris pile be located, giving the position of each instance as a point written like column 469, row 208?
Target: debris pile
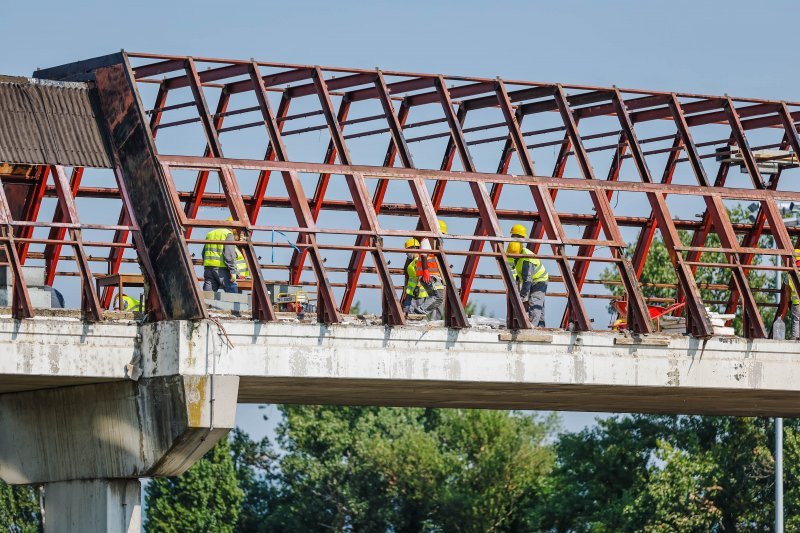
column 677, row 325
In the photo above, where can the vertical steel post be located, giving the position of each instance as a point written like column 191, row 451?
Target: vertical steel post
column 455, row 315
column 392, row 312
column 327, row 311
column 778, row 475
column 517, row 316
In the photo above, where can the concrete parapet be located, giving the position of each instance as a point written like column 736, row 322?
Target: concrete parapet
column 485, row 368
column 155, row 427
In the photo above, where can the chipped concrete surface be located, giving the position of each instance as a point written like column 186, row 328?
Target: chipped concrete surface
column 418, row 365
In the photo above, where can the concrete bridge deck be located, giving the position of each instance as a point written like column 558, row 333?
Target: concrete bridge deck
column 291, row 362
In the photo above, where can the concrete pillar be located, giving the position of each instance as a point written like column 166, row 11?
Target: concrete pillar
column 112, row 506
column 88, row 444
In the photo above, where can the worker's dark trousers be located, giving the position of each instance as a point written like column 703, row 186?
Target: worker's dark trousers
column 215, row 278
column 434, row 303
column 795, row 321
column 536, row 304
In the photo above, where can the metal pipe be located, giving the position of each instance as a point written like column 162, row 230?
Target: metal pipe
column 778, row 475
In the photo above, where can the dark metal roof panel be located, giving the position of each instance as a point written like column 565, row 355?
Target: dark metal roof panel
column 53, row 123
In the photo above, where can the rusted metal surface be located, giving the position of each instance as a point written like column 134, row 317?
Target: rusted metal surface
column 160, row 247
column 607, row 144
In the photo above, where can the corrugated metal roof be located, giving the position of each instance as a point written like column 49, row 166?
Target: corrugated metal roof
column 53, row 123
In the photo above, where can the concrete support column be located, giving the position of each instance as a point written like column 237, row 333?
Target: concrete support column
column 88, row 444
column 112, row 506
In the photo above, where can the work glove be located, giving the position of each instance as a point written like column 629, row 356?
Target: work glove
column 426, row 276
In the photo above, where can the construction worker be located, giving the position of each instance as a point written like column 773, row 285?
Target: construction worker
column 422, row 272
column 794, row 298
column 530, row 274
column 223, row 263
column 126, row 303
column 432, row 279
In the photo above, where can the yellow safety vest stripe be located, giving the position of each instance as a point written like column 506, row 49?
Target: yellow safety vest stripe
column 213, row 253
column 539, row 272
column 795, row 299
column 130, row 304
column 414, row 288
column 241, row 265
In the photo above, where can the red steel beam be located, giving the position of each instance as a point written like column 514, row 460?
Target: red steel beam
column 52, row 252
column 517, row 317
column 455, row 315
column 20, row 300
column 326, row 311
column 90, row 303
column 392, row 312
column 356, row 262
column 547, row 213
column 299, row 255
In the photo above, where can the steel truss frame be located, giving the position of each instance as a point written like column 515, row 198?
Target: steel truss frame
column 458, row 98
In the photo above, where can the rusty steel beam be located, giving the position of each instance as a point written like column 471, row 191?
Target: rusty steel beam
column 517, row 316
column 392, row 311
column 299, row 255
column 160, row 247
column 547, row 213
column 327, row 310
column 356, row 262
column 455, row 316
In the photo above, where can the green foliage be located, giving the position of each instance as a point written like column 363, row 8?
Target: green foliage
column 681, row 491
column 472, row 309
column 713, row 282
column 207, row 497
column 253, row 463
column 669, row 473
column 19, row 509
column 378, row 469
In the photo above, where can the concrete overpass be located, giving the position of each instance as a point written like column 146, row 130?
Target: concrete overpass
column 356, row 364
column 88, row 408
column 91, row 400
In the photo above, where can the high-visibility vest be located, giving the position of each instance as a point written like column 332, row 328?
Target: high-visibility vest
column 130, row 304
column 243, row 271
column 539, row 272
column 213, row 254
column 795, row 299
column 432, row 265
column 414, row 288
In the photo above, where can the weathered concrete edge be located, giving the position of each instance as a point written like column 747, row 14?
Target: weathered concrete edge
column 295, row 350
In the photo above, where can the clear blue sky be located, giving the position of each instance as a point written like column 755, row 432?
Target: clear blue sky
column 735, row 47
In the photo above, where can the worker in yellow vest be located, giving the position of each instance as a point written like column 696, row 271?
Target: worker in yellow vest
column 127, row 303
column 794, row 298
column 223, row 263
column 530, row 274
column 422, row 297
column 429, row 273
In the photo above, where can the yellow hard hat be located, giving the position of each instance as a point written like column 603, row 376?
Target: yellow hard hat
column 229, row 219
column 797, row 253
column 519, row 229
column 514, row 248
column 412, row 243
column 442, row 226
